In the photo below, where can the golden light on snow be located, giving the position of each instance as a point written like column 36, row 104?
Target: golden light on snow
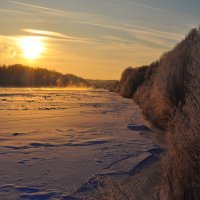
column 32, row 47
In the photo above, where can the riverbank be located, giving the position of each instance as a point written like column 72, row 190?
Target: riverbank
column 142, row 182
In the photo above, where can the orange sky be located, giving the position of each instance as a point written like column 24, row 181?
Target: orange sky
column 94, row 39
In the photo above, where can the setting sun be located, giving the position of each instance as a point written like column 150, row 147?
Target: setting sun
column 32, row 47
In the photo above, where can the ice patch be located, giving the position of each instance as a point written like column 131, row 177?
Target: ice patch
column 124, row 165
column 53, row 145
column 138, row 128
column 27, row 189
column 39, row 196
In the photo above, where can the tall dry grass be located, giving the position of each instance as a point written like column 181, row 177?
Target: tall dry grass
column 181, row 166
column 144, row 185
column 165, row 81
column 112, row 190
column 169, row 95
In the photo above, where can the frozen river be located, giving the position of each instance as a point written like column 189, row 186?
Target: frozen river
column 53, row 141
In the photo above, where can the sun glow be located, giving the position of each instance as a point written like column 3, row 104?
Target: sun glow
column 32, row 47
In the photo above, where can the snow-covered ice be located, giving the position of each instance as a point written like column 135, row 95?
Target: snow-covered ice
column 53, row 141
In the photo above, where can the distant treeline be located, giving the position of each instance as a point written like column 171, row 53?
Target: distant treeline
column 168, row 92
column 111, row 85
column 23, row 76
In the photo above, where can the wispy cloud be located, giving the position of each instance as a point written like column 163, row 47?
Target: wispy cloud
column 153, row 37
column 146, row 6
column 190, row 25
column 149, row 7
column 49, row 33
column 56, row 12
column 39, row 7
column 137, row 29
column 15, row 12
column 85, row 18
column 59, row 35
column 117, row 39
column 154, row 32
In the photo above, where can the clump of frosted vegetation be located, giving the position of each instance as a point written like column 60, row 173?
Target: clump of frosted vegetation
column 169, row 95
column 182, row 163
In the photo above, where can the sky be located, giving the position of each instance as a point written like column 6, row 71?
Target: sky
column 95, row 39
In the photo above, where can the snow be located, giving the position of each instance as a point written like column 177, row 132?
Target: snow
column 53, row 141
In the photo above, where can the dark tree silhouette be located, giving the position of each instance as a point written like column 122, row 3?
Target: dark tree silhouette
column 23, row 76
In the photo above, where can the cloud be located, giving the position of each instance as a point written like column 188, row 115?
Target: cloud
column 138, row 29
column 59, row 35
column 116, row 39
column 15, row 12
column 49, row 33
column 154, row 32
column 149, row 7
column 190, row 25
column 85, row 18
column 146, row 6
column 56, row 12
column 142, row 34
column 38, row 7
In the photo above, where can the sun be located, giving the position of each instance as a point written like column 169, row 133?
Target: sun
column 32, row 47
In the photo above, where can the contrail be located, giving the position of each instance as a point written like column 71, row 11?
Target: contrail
column 137, row 29
column 39, row 7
